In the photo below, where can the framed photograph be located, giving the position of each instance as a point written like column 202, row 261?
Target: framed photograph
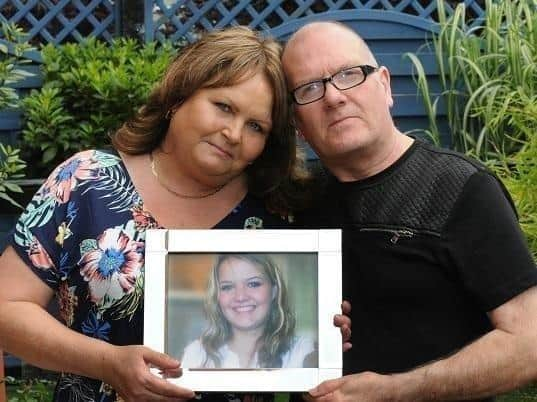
column 245, row 310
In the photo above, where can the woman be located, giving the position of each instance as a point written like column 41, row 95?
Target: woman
column 251, row 323
column 213, row 138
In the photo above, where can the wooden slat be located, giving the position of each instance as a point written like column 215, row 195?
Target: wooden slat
column 405, row 84
column 9, row 120
column 402, row 66
column 411, row 105
column 34, row 81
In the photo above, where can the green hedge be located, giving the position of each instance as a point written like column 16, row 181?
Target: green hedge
column 89, row 90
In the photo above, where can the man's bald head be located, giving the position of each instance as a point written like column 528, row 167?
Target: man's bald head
column 312, row 31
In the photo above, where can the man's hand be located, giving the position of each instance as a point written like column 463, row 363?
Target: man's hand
column 343, row 322
column 362, row 387
column 126, row 369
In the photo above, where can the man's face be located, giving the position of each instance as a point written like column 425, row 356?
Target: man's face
column 343, row 122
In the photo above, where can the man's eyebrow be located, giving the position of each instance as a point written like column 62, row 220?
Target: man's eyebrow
column 338, row 70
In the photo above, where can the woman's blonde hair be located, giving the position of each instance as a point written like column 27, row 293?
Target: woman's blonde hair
column 219, row 59
column 279, row 326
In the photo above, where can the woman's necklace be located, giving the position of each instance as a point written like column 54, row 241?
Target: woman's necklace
column 176, row 193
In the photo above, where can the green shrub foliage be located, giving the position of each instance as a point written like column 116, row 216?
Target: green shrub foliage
column 11, row 168
column 89, row 90
column 30, row 390
column 11, row 60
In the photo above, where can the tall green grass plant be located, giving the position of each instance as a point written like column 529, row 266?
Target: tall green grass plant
column 488, row 76
column 519, row 174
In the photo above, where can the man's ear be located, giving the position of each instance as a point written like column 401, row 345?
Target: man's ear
column 385, row 80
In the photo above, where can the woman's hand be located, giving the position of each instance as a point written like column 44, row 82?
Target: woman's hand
column 343, row 322
column 126, row 369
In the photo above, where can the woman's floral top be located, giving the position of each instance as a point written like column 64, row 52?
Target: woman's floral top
column 83, row 234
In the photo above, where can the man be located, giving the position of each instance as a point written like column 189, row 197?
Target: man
column 442, row 285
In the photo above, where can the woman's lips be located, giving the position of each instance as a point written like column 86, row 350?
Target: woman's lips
column 244, row 309
column 221, row 150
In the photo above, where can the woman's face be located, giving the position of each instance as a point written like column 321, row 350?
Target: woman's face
column 217, row 132
column 245, row 294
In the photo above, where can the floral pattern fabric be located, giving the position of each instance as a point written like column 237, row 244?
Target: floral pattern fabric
column 83, row 234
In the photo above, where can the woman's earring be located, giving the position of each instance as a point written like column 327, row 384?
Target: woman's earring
column 168, row 114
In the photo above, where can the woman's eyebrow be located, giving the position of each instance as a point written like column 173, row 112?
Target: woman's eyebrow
column 267, row 120
column 255, row 277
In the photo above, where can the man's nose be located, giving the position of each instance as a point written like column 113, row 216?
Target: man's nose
column 332, row 95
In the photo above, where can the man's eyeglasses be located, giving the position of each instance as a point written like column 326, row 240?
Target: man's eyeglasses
column 344, row 79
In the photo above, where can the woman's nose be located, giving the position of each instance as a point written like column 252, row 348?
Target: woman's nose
column 240, row 293
column 232, row 133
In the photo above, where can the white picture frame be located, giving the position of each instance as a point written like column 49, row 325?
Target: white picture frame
column 323, row 246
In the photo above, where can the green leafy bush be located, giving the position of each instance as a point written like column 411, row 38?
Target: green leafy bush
column 10, row 64
column 11, row 168
column 89, row 90
column 32, row 390
column 11, row 165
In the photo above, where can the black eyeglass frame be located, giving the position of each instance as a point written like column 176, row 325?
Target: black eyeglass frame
column 366, row 70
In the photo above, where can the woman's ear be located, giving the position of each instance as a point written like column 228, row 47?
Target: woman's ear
column 171, row 111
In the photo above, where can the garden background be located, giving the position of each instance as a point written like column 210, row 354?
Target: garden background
column 71, row 71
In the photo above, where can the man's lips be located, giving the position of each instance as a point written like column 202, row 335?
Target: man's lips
column 339, row 120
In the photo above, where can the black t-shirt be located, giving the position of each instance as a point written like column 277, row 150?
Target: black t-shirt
column 429, row 246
